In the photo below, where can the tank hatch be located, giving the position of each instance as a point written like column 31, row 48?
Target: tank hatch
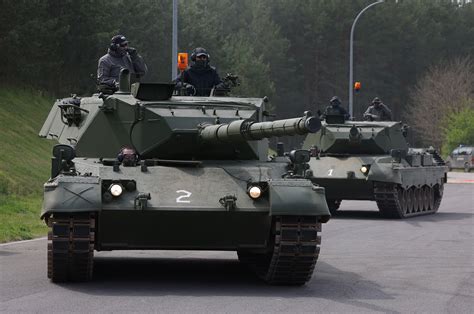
column 152, row 91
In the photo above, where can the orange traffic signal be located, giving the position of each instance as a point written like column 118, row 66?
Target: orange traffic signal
column 182, row 61
column 357, row 86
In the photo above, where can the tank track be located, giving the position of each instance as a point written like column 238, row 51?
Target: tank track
column 394, row 201
column 71, row 246
column 294, row 251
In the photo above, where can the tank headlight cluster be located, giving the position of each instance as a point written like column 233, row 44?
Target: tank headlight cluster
column 116, row 189
column 255, row 192
column 364, row 169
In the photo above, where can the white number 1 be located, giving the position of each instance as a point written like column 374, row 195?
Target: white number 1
column 330, row 172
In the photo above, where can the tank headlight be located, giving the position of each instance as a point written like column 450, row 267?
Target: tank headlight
column 364, row 169
column 255, row 192
column 116, row 189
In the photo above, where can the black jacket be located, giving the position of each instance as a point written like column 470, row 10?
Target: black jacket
column 203, row 80
column 336, row 110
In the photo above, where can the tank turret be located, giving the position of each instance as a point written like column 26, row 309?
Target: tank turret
column 157, row 125
column 359, row 137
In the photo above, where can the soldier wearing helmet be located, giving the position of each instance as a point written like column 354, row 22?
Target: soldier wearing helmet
column 200, row 78
column 119, row 55
column 335, row 108
column 378, row 111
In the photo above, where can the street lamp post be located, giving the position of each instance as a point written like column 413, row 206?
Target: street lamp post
column 174, row 44
column 351, row 57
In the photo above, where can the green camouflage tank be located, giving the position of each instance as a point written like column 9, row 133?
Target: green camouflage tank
column 141, row 169
column 360, row 160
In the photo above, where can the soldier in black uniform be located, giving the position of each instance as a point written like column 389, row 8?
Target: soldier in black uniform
column 335, row 108
column 200, row 78
column 119, row 56
column 378, row 111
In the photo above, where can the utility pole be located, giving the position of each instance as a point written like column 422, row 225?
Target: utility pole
column 174, row 52
column 351, row 58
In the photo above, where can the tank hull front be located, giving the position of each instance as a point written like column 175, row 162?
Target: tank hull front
column 175, row 230
column 343, row 178
column 347, row 189
column 177, row 207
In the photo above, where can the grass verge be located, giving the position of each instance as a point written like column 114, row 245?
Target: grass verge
column 19, row 216
column 24, row 161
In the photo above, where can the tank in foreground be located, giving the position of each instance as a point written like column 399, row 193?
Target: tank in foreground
column 192, row 174
column 359, row 160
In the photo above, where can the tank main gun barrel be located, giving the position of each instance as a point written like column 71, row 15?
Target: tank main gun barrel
column 248, row 130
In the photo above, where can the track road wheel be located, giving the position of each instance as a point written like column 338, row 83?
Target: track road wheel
column 71, row 246
column 411, row 194
column 410, row 202
column 406, row 199
column 292, row 253
column 426, row 198
column 419, row 199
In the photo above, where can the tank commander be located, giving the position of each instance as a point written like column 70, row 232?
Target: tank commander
column 335, row 108
column 378, row 111
column 119, row 55
column 200, row 78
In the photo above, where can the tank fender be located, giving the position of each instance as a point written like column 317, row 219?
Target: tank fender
column 297, row 197
column 71, row 194
column 383, row 171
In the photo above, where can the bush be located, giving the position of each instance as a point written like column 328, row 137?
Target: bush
column 459, row 130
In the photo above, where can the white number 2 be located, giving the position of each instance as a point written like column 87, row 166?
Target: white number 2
column 330, row 172
column 181, row 199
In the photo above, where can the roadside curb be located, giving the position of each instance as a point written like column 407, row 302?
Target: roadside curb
column 458, row 181
column 22, row 241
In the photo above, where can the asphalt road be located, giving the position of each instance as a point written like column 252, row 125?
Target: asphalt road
column 367, row 264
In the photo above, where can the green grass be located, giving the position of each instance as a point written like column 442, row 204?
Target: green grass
column 24, row 161
column 19, row 218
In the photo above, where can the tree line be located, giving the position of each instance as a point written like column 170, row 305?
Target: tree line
column 294, row 52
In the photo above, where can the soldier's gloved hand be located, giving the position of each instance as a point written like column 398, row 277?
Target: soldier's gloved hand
column 190, row 90
column 132, row 52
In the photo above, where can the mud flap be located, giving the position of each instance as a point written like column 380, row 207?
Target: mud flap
column 297, row 197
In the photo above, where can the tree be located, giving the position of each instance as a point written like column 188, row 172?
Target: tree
column 447, row 88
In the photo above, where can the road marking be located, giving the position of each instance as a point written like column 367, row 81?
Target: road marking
column 21, row 242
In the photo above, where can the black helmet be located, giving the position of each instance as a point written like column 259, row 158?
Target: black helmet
column 117, row 41
column 199, row 52
column 335, row 101
column 376, row 100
